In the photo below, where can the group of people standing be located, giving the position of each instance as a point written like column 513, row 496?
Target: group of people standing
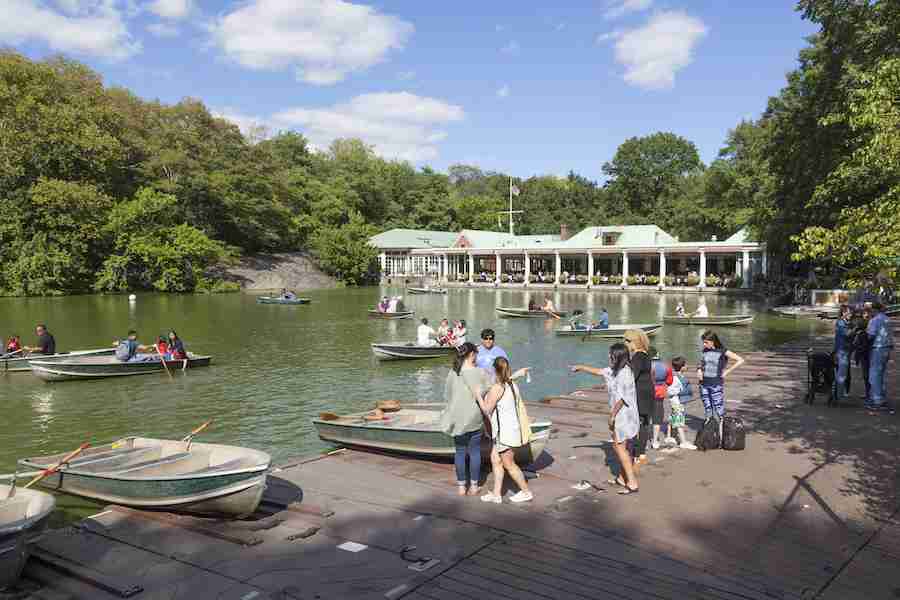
column 645, row 396
column 864, row 336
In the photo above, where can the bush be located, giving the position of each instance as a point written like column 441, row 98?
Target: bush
column 735, row 283
column 713, row 281
column 669, row 280
column 652, row 280
column 216, row 286
column 632, row 280
column 615, row 279
column 693, row 280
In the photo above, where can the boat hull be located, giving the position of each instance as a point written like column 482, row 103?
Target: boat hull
column 415, row 439
column 23, row 519
column 376, row 314
column 426, row 290
column 70, row 370
column 524, row 313
column 13, row 365
column 270, row 300
column 614, row 331
column 230, row 492
column 410, row 351
column 722, row 321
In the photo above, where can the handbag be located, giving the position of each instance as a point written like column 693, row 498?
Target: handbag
column 524, row 421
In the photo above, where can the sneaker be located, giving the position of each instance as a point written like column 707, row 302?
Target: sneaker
column 687, row 446
column 522, row 496
column 491, row 497
column 655, row 445
column 670, row 441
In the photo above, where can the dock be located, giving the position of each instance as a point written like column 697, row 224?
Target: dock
column 808, row 511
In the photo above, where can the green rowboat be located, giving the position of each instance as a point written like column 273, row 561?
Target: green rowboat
column 22, row 520
column 22, row 363
column 721, row 320
column 277, row 300
column 414, row 429
column 524, row 313
column 99, row 367
column 613, row 331
column 154, row 474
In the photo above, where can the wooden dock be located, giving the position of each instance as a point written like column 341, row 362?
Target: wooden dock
column 808, row 510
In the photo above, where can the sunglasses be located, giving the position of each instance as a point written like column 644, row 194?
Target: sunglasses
column 488, row 339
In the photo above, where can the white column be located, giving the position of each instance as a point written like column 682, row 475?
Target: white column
column 471, row 266
column 446, row 267
column 558, row 267
column 527, row 269
column 498, row 270
column 745, row 268
column 624, row 269
column 765, row 263
column 702, row 268
column 662, row 269
column 737, row 266
column 590, row 269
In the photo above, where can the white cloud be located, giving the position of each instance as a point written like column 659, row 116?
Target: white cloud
column 90, row 27
column 163, row 30
column 323, row 40
column 654, row 52
column 254, row 128
column 511, row 48
column 398, row 124
column 619, row 8
column 503, row 92
column 172, row 9
column 609, row 35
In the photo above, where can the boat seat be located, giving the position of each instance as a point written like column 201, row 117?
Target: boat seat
column 237, row 463
column 174, row 464
column 117, row 460
column 13, row 510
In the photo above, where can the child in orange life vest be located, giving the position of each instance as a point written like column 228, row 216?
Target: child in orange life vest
column 662, row 379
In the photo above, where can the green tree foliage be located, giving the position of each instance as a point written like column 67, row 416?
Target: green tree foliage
column 345, row 251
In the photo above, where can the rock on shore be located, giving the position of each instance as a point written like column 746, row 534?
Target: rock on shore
column 291, row 270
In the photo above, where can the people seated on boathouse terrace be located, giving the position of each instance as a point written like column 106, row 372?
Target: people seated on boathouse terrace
column 619, row 256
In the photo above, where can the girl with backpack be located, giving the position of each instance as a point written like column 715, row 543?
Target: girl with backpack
column 712, row 373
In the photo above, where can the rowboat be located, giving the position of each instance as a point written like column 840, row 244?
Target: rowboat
column 18, row 362
column 613, row 331
column 172, row 475
column 414, row 429
column 721, row 320
column 404, row 314
column 410, row 350
column 22, row 520
column 275, row 300
column 415, row 290
column 799, row 311
column 524, row 313
column 96, row 367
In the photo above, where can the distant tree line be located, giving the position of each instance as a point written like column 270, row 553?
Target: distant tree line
column 103, row 191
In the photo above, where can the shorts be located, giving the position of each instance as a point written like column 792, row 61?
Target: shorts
column 658, row 416
column 677, row 418
column 501, row 448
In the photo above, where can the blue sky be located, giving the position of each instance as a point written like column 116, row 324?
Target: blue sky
column 521, row 87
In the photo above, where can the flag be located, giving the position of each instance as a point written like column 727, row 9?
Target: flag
column 514, row 190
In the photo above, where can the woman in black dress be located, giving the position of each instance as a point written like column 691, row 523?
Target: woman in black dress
column 638, row 346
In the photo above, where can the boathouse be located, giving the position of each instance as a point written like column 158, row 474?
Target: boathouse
column 620, row 256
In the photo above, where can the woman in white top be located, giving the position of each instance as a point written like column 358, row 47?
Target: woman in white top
column 425, row 334
column 459, row 333
column 624, row 421
column 501, row 405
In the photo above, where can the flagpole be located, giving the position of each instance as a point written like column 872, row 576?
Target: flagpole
column 510, row 208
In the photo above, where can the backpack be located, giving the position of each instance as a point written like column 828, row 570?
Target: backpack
column 687, row 390
column 708, row 436
column 734, row 436
column 123, row 351
column 660, row 372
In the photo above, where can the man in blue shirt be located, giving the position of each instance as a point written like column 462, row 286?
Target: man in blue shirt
column 842, row 352
column 603, row 323
column 487, row 352
column 882, row 339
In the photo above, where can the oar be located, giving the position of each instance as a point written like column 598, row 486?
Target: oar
column 59, row 465
column 189, row 438
column 14, row 353
column 163, row 360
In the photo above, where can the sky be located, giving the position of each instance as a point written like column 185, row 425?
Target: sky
column 522, row 87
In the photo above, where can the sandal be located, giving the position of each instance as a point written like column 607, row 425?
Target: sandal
column 617, row 481
column 629, row 491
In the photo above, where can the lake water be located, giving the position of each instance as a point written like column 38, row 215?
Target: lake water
column 276, row 367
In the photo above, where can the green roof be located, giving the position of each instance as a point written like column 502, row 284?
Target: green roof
column 741, row 237
column 628, row 235
column 413, row 238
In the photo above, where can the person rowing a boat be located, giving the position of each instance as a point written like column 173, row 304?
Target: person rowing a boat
column 175, row 347
column 549, row 308
column 679, row 310
column 130, row 350
column 287, row 294
column 46, row 343
column 425, row 334
column 384, row 304
column 603, row 321
column 701, row 311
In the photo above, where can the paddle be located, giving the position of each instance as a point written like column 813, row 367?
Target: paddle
column 13, row 353
column 59, row 465
column 189, row 438
column 162, row 359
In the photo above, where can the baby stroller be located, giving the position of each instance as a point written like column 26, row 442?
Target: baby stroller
column 820, row 376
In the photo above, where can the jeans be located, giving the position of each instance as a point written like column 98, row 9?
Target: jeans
column 878, row 359
column 713, row 396
column 843, row 371
column 468, row 445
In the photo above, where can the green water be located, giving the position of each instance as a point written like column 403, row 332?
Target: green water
column 275, row 367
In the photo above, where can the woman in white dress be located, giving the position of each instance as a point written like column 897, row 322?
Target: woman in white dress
column 501, row 404
column 624, row 421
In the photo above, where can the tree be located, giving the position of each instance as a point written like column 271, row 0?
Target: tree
column 345, row 251
column 644, row 169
